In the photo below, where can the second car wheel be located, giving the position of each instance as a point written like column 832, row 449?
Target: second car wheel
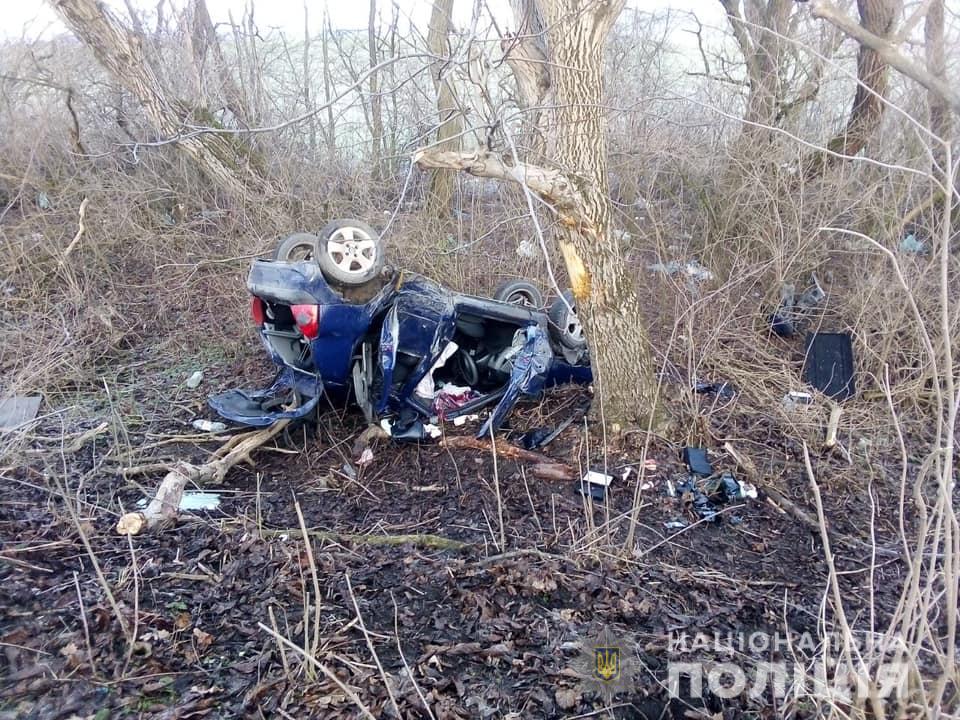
column 565, row 324
column 519, row 292
column 349, row 252
column 299, row 246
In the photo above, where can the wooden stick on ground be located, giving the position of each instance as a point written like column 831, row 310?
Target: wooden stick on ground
column 163, row 509
column 543, row 466
column 778, row 498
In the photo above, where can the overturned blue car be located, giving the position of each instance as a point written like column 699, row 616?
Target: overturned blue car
column 342, row 327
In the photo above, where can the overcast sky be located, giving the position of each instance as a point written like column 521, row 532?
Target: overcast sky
column 35, row 17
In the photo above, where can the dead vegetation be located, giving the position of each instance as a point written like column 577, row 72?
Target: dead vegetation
column 451, row 580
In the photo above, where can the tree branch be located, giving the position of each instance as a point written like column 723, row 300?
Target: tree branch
column 552, row 185
column 887, row 51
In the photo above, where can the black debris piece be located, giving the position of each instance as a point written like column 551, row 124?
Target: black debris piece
column 691, row 494
column 697, row 460
column 828, row 364
column 723, row 390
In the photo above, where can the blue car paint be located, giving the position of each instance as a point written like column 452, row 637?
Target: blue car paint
column 418, row 318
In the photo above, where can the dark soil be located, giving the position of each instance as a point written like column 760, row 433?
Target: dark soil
column 474, row 631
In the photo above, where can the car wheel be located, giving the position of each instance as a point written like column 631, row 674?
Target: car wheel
column 564, row 323
column 349, row 252
column 519, row 292
column 299, row 246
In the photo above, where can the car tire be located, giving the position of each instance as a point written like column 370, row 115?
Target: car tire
column 349, row 252
column 299, row 246
column 564, row 323
column 519, row 292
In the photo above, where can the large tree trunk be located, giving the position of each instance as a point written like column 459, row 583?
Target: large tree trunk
column 440, row 198
column 607, row 301
column 577, row 188
column 121, row 54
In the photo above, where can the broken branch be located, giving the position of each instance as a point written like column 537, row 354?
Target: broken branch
column 551, row 185
column 162, row 510
column 543, row 467
column 80, row 230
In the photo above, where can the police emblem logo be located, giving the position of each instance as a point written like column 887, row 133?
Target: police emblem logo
column 606, row 663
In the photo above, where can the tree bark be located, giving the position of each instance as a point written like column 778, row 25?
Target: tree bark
column 122, row 55
column 440, row 197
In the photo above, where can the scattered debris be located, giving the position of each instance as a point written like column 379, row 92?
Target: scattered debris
column 724, row 488
column 194, row 500
column 464, row 419
column 828, row 364
column 703, row 496
column 676, row 524
column 450, row 398
column 18, row 410
column 43, row 201
column 193, row 382
column 208, row 426
column 366, row 457
column 697, row 461
column 692, row 269
column 723, row 390
column 594, row 484
column 409, row 427
column 541, row 437
column 692, row 495
column 912, row 245
column 795, row 400
column 793, row 312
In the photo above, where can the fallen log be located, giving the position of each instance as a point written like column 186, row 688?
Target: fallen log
column 543, row 466
column 422, row 540
column 162, row 511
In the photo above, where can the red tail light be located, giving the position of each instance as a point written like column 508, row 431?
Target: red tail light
column 307, row 318
column 257, row 311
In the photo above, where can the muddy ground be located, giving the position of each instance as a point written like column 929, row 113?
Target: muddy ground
column 450, row 625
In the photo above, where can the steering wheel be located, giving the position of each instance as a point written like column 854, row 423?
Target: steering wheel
column 468, row 368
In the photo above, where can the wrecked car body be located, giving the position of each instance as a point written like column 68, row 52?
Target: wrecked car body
column 413, row 351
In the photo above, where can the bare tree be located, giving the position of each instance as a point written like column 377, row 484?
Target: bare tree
column 450, row 126
column 307, row 82
column 577, row 189
column 760, row 30
column 376, row 112
column 119, row 51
